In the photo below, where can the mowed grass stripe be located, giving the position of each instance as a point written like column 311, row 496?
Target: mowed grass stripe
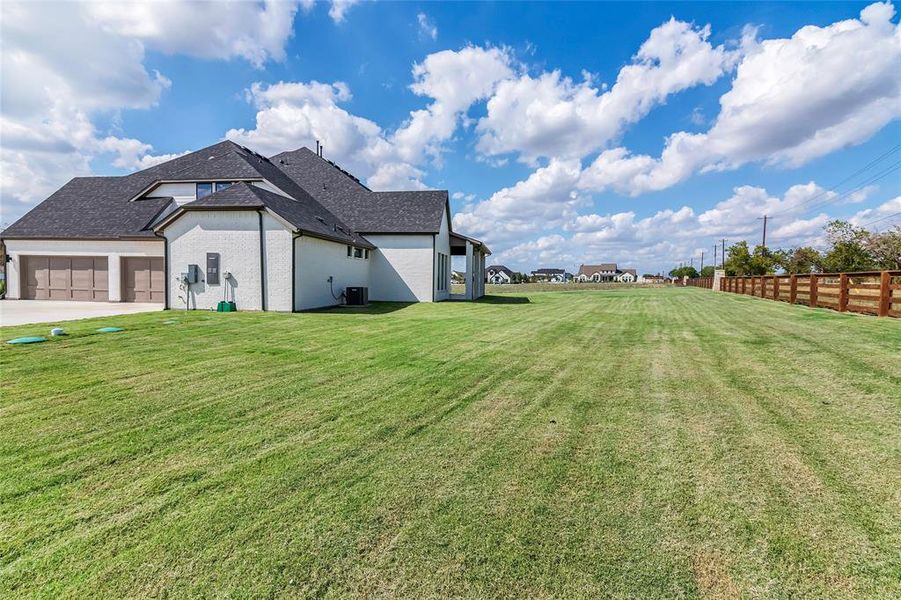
column 643, row 442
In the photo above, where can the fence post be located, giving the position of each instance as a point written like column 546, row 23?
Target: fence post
column 843, row 293
column 753, row 285
column 775, row 288
column 813, row 291
column 792, row 289
column 885, row 294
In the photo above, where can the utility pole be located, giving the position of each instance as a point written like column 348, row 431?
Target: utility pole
column 724, row 252
column 702, row 260
column 692, row 263
column 765, row 218
column 714, row 256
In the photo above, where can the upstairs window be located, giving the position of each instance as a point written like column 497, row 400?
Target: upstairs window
column 221, row 185
column 354, row 252
column 204, row 189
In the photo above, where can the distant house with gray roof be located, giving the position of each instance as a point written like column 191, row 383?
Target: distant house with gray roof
column 605, row 272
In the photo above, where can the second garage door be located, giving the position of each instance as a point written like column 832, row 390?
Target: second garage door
column 143, row 280
column 65, row 278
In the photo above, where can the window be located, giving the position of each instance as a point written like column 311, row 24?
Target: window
column 221, row 185
column 353, row 252
column 204, row 189
column 443, row 271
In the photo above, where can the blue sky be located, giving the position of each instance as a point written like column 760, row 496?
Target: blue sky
column 547, row 122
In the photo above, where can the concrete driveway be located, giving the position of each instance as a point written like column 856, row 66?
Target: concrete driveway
column 20, row 312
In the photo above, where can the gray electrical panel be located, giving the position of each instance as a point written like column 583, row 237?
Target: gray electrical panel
column 193, row 274
column 212, row 268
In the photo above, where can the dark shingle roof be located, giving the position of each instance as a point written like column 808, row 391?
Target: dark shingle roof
column 363, row 210
column 548, row 272
column 498, row 269
column 105, row 207
column 305, row 214
column 590, row 270
column 91, row 207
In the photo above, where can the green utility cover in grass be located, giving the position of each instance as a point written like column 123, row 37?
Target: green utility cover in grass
column 34, row 339
column 110, row 329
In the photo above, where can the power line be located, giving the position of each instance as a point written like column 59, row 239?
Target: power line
column 879, row 176
column 881, row 219
column 864, row 168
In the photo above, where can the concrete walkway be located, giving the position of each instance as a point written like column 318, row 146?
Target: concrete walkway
column 20, row 312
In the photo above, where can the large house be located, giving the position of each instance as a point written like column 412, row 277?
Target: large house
column 606, row 272
column 285, row 233
column 498, row 274
column 551, row 275
column 596, row 273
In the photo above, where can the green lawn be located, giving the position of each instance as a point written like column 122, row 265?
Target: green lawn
column 631, row 442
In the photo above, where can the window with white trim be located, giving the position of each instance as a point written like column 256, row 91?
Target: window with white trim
column 354, row 252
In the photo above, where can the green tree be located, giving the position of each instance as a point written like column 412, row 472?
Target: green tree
column 847, row 249
column 798, row 260
column 685, row 271
column 708, row 271
column 741, row 261
column 885, row 248
column 738, row 261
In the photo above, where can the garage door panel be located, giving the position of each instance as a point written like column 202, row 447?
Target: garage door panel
column 66, row 278
column 143, row 280
column 36, row 270
column 101, row 276
column 157, row 280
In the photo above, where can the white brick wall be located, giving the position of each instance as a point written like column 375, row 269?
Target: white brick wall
column 442, row 245
column 317, row 260
column 401, row 268
column 235, row 235
column 278, row 264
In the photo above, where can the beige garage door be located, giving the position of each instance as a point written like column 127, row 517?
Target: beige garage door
column 143, row 280
column 65, row 278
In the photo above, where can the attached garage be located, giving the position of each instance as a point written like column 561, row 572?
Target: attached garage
column 65, row 278
column 143, row 279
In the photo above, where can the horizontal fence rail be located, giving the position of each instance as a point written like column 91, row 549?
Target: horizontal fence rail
column 867, row 292
column 702, row 282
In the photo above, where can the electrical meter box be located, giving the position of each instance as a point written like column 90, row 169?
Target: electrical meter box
column 212, row 268
column 193, row 274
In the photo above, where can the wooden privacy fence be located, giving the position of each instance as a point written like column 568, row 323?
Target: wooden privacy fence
column 869, row 292
column 703, row 282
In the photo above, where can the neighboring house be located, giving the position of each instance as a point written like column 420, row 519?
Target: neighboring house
column 627, row 276
column 606, row 272
column 458, row 277
column 498, row 274
column 552, row 275
column 597, row 273
column 285, row 233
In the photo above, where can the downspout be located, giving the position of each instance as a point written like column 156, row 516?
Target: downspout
column 434, row 258
column 294, row 271
column 262, row 264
